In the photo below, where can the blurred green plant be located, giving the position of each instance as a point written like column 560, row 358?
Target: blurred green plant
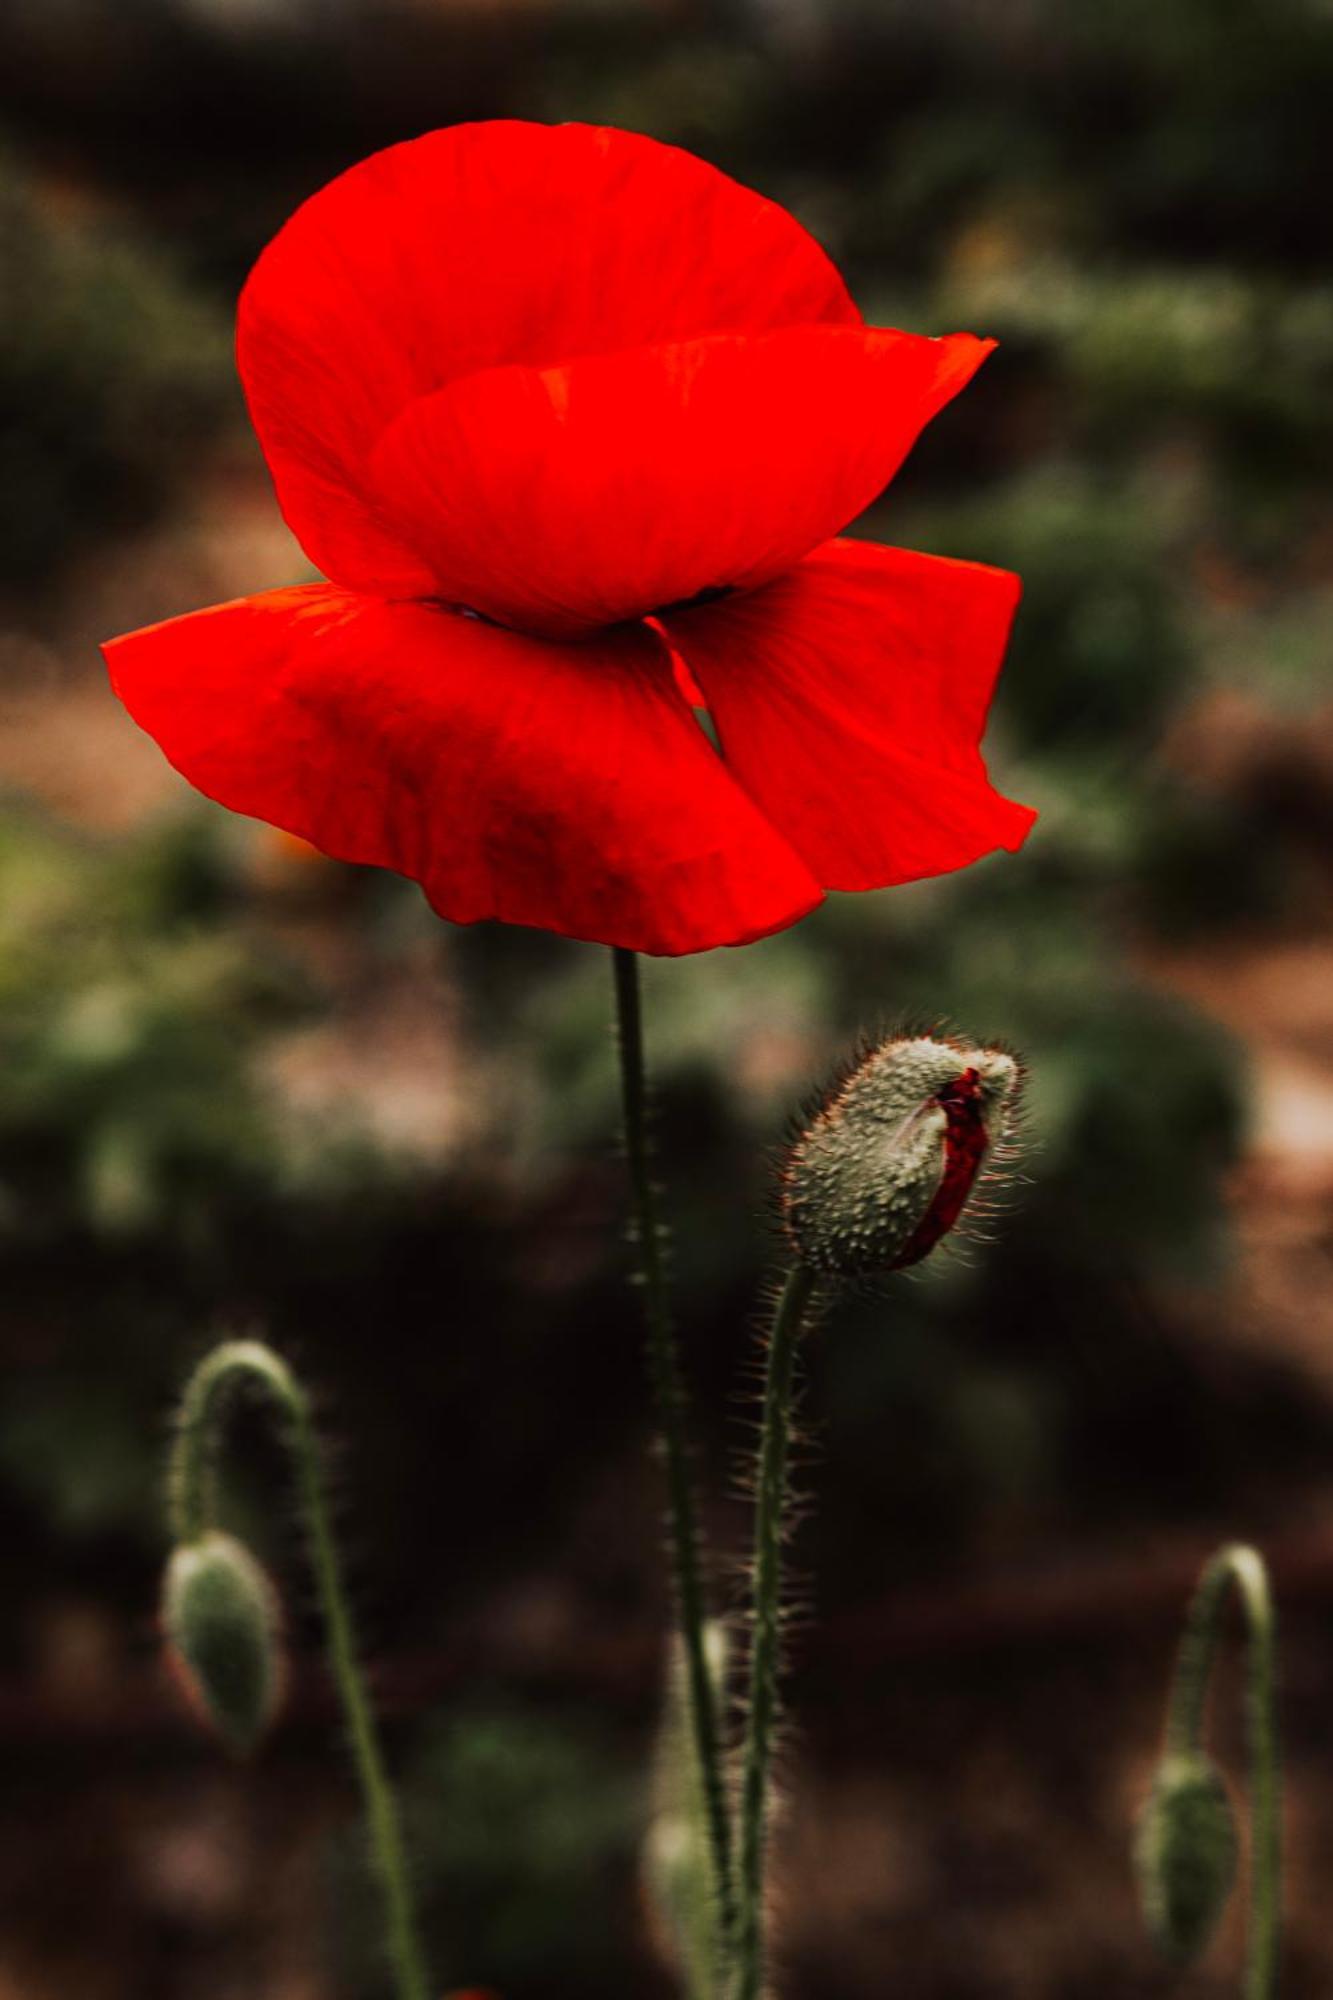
column 113, row 375
column 521, row 1822
column 223, row 1614
column 129, row 1007
column 1186, row 1847
column 132, row 1127
column 676, row 1866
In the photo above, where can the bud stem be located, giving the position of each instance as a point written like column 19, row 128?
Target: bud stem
column 766, row 1639
column 1244, row 1568
column 194, row 1495
column 669, row 1395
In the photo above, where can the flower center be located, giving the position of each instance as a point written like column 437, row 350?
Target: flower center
column 708, row 595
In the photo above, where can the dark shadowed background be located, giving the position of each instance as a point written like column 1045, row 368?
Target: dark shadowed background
column 242, row 1087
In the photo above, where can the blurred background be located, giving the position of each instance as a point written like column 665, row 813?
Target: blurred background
column 242, row 1088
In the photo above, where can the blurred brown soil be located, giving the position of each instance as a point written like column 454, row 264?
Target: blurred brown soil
column 64, row 742
column 1277, row 998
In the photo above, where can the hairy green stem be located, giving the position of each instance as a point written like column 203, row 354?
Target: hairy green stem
column 194, row 1496
column 766, row 1638
column 1244, row 1569
column 668, row 1387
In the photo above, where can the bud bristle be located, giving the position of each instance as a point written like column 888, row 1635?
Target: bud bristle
column 888, row 1163
column 222, row 1620
column 1185, row 1854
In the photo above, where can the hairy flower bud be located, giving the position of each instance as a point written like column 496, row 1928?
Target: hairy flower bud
column 221, row 1615
column 1185, row 1854
column 886, row 1165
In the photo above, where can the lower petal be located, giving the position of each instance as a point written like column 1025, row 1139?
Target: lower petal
column 850, row 698
column 566, row 787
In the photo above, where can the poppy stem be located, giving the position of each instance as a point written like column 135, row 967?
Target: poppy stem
column 669, row 1395
column 1244, row 1568
column 766, row 1638
column 194, row 1489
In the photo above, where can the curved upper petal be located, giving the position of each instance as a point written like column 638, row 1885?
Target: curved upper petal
column 480, row 246
column 563, row 499
column 565, row 787
column 850, row 698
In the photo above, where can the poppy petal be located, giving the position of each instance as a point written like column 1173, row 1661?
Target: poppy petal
column 566, row 787
column 480, row 246
column 559, row 500
column 850, row 698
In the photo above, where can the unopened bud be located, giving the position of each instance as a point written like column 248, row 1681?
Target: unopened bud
column 886, row 1165
column 1185, row 1854
column 222, row 1621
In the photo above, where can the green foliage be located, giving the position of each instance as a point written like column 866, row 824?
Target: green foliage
column 112, row 376
column 127, row 1020
column 1100, row 655
column 133, row 1130
column 520, row 1823
column 1247, row 361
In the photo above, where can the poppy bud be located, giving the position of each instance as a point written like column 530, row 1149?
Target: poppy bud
column 221, row 1615
column 885, row 1166
column 1185, row 1854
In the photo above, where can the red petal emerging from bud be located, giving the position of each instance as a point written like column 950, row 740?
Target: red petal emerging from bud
column 887, row 1165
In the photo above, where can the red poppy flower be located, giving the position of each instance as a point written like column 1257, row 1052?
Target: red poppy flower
column 568, row 419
